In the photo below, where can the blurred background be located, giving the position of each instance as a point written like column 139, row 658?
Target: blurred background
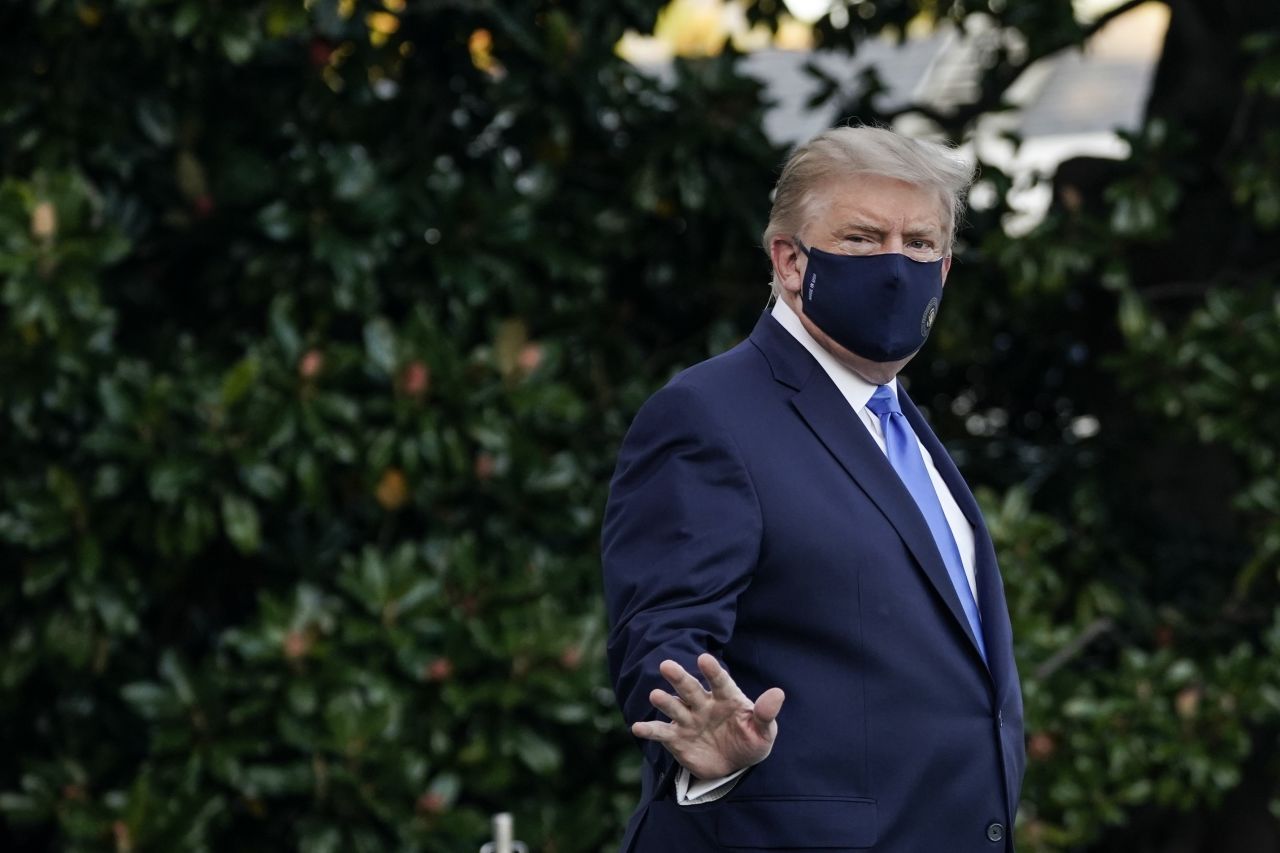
column 323, row 321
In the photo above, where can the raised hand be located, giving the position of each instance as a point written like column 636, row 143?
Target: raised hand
column 712, row 733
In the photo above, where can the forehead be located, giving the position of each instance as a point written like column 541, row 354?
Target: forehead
column 885, row 203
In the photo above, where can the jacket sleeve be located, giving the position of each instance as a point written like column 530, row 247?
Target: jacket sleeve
column 680, row 541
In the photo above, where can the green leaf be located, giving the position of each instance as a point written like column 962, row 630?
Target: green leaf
column 283, row 328
column 239, row 380
column 23, row 809
column 265, row 481
column 238, row 46
column 538, row 754
column 380, row 344
column 447, row 786
column 152, row 701
column 240, row 520
column 277, row 221
column 186, row 18
column 157, row 120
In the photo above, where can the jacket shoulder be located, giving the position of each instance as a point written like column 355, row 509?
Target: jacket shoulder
column 723, row 374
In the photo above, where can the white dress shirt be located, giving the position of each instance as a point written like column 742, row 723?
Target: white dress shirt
column 857, row 391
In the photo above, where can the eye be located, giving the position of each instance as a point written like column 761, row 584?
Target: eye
column 861, row 244
column 923, row 245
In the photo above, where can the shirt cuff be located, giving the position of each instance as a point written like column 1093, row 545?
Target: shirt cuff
column 691, row 792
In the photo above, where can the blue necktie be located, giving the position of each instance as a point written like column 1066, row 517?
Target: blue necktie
column 907, row 459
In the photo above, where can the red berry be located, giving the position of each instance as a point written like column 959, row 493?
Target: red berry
column 571, row 657
column 311, row 363
column 432, row 803
column 296, row 644
column 440, row 669
column 1040, row 746
column 530, row 357
column 415, row 379
column 320, row 52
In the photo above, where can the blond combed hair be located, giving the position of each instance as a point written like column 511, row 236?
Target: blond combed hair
column 845, row 151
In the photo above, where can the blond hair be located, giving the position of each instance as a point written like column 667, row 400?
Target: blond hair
column 844, row 151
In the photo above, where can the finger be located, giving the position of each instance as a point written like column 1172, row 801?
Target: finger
column 767, row 707
column 688, row 687
column 722, row 686
column 671, row 706
column 654, row 730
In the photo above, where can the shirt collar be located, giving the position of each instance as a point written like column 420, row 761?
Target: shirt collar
column 856, row 390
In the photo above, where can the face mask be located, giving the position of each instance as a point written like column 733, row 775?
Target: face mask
column 880, row 307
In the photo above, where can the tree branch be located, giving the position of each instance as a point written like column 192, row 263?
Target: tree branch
column 1064, row 655
column 992, row 95
column 1107, row 17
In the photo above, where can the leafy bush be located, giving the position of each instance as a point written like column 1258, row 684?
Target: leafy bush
column 323, row 322
column 322, row 328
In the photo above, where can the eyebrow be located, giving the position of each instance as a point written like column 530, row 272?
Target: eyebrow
column 924, row 231
column 859, row 226
column 914, row 231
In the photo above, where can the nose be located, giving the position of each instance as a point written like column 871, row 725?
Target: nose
column 893, row 243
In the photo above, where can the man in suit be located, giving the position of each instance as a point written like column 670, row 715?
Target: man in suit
column 783, row 523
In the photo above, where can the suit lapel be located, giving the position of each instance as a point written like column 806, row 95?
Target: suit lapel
column 991, row 602
column 821, row 405
column 996, row 629
column 827, row 413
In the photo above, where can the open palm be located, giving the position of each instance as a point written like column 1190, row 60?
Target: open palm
column 714, row 732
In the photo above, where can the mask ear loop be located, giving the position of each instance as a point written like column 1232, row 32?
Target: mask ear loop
column 773, row 296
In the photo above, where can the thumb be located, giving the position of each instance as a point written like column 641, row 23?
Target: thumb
column 767, row 707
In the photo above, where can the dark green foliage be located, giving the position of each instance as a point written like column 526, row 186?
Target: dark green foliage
column 317, row 348
column 316, row 356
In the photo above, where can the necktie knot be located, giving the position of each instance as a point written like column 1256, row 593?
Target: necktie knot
column 884, row 402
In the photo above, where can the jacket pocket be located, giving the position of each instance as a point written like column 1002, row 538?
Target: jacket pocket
column 797, row 822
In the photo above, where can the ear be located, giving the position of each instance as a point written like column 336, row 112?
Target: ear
column 946, row 268
column 788, row 264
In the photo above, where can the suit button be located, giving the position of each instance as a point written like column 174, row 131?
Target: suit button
column 1000, row 719
column 995, row 831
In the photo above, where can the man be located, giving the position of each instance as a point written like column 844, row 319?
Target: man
column 784, row 523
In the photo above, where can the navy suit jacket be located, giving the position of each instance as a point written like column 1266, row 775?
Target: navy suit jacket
column 753, row 516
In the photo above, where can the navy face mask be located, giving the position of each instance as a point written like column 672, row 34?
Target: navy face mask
column 880, row 307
